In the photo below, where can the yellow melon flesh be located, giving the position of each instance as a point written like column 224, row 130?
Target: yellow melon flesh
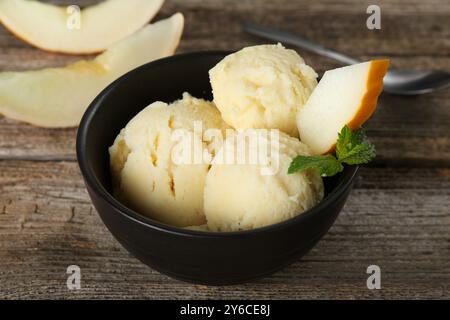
column 344, row 96
column 51, row 27
column 58, row 97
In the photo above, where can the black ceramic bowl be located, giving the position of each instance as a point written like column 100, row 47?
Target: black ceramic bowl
column 199, row 257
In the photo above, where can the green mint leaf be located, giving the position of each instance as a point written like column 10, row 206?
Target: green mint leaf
column 362, row 153
column 344, row 141
column 353, row 147
column 327, row 165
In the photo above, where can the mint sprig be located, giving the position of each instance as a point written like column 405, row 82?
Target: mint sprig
column 352, row 147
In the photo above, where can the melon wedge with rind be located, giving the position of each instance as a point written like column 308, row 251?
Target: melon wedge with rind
column 344, row 96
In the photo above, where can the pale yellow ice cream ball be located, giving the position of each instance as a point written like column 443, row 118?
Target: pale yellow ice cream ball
column 240, row 197
column 262, row 87
column 146, row 178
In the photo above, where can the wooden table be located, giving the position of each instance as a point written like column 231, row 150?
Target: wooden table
column 397, row 217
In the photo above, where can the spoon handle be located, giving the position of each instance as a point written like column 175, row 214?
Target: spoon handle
column 295, row 40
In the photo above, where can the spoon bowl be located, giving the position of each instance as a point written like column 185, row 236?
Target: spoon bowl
column 413, row 82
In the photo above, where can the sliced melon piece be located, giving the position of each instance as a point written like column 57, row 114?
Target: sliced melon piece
column 344, row 96
column 58, row 97
column 46, row 26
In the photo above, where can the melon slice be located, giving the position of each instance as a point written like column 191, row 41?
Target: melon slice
column 344, row 96
column 58, row 97
column 55, row 28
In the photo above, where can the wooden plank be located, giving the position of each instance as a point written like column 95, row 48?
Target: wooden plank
column 22, row 141
column 404, row 130
column 421, row 36
column 395, row 218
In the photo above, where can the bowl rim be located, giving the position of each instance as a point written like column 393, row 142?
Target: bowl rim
column 97, row 187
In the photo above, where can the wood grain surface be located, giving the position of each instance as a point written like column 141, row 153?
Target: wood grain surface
column 397, row 217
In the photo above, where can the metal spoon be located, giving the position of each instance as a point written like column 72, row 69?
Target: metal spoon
column 403, row 82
